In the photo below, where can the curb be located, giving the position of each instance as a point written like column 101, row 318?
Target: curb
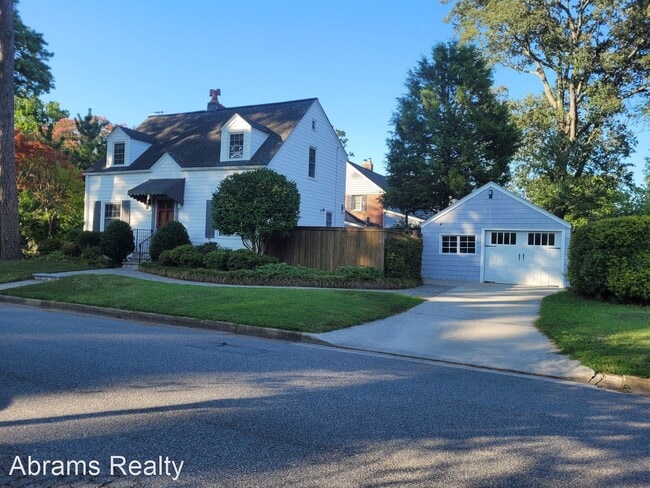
column 620, row 383
column 160, row 319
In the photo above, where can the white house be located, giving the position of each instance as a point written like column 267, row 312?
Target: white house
column 170, row 165
column 363, row 191
column 493, row 235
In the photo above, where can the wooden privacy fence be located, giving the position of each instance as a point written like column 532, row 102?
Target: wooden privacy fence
column 332, row 247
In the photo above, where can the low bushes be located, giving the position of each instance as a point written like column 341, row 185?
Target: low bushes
column 168, row 237
column 610, row 260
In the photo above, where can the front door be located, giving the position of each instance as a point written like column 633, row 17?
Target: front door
column 164, row 212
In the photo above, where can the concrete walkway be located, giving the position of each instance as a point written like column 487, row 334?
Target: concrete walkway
column 478, row 324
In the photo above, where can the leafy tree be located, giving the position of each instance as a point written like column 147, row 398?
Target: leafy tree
column 9, row 226
column 32, row 75
column 452, row 134
column 256, row 205
column 32, row 116
column 55, row 187
column 592, row 60
column 344, row 141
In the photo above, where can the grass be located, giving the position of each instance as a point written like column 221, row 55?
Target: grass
column 25, row 268
column 289, row 309
column 606, row 337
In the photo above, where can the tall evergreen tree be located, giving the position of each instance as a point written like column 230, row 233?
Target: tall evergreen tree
column 92, row 140
column 452, row 133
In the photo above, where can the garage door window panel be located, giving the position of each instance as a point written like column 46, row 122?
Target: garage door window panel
column 541, row 239
column 503, row 238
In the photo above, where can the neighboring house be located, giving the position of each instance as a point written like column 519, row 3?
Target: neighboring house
column 493, row 235
column 363, row 191
column 170, row 165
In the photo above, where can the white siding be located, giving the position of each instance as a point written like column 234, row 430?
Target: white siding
column 136, row 149
column 473, row 217
column 358, row 184
column 326, row 191
column 132, row 148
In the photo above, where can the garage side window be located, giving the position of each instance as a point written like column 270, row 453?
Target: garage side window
column 458, row 244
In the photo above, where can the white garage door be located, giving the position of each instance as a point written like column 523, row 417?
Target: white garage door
column 526, row 258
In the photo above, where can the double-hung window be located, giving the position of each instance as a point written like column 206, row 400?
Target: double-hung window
column 119, row 150
column 458, row 244
column 236, row 150
column 312, row 162
column 112, row 212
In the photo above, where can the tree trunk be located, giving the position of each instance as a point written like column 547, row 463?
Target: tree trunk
column 9, row 225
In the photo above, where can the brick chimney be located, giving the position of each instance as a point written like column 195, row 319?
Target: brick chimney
column 214, row 104
column 367, row 163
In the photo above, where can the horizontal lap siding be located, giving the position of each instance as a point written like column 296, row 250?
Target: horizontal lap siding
column 477, row 214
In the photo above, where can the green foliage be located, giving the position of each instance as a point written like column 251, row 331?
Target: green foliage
column 88, row 238
column 92, row 253
column 49, row 245
column 452, row 134
column 593, row 72
column 403, row 257
column 117, row 242
column 256, row 205
column 91, row 146
column 208, row 247
column 360, row 273
column 70, row 248
column 169, row 236
column 32, row 75
column 608, row 260
column 246, row 259
column 185, row 255
column 217, row 259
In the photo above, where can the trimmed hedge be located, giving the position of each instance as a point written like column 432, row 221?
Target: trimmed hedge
column 88, row 238
column 610, row 260
column 245, row 259
column 403, row 257
column 168, row 237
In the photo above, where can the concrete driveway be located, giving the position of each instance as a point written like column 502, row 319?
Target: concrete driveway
column 478, row 324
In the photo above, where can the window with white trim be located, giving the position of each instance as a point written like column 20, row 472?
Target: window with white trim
column 236, row 149
column 458, row 244
column 112, row 212
column 541, row 239
column 358, row 202
column 312, row 162
column 119, row 152
column 503, row 238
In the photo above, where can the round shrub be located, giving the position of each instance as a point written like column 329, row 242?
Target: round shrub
column 217, row 259
column 245, row 259
column 168, row 237
column 88, row 238
column 190, row 258
column 208, row 247
column 608, row 259
column 360, row 272
column 166, row 258
column 70, row 249
column 92, row 253
column 49, row 245
column 117, row 242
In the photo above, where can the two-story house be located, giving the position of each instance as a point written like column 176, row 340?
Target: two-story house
column 363, row 191
column 169, row 166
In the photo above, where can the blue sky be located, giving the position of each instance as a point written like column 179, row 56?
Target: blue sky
column 129, row 59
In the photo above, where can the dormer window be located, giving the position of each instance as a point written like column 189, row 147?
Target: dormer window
column 236, row 150
column 119, row 150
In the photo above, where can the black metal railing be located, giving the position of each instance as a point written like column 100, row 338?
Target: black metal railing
column 142, row 242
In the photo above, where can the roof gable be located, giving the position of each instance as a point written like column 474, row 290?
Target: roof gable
column 494, row 187
column 378, row 180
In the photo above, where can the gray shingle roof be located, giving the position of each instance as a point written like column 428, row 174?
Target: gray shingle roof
column 193, row 139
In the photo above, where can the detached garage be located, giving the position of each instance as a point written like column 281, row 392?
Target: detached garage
column 493, row 235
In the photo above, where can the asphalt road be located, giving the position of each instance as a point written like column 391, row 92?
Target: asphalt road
column 94, row 395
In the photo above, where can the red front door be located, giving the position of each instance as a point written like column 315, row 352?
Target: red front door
column 164, row 212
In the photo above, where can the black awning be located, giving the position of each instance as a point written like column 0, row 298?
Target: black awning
column 170, row 188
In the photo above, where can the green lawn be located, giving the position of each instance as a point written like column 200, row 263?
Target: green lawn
column 608, row 338
column 290, row 309
column 25, row 268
